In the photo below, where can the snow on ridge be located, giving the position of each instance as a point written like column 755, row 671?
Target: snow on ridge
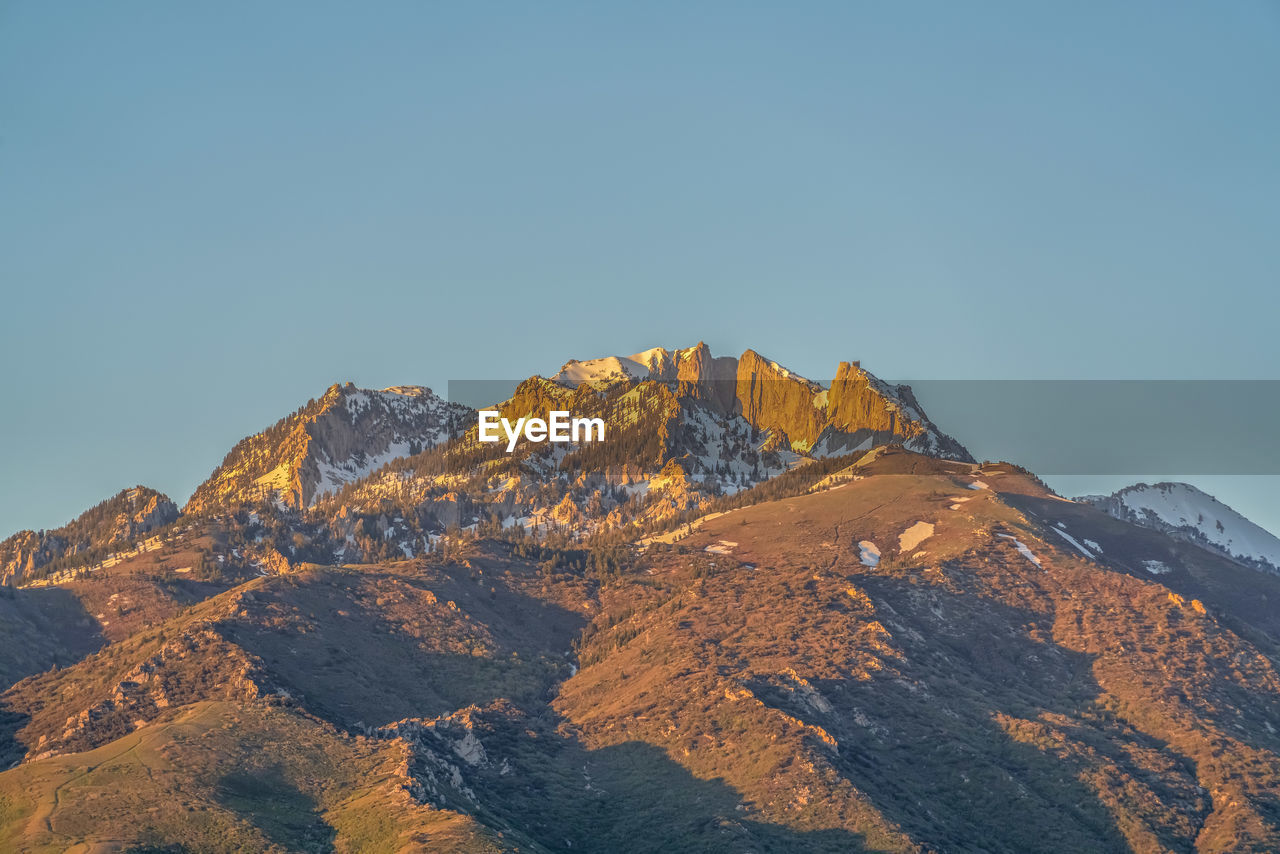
column 651, row 357
column 408, row 391
column 388, row 424
column 1070, row 539
column 640, row 366
column 786, row 373
column 399, row 399
column 575, row 373
column 1022, row 549
column 334, row 476
column 1181, row 505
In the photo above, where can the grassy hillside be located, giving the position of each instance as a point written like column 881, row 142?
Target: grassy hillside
column 220, row 777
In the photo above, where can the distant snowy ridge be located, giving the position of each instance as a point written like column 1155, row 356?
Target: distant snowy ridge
column 607, row 369
column 1187, row 513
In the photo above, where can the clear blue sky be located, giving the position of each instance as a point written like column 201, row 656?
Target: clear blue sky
column 210, row 212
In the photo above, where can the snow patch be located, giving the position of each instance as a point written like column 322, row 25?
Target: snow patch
column 1022, row 549
column 593, row 371
column 869, row 554
column 914, row 536
column 723, row 547
column 1070, row 539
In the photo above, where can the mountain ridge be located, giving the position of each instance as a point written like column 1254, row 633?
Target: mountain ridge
column 854, row 408
column 117, row 521
column 339, row 437
column 1186, row 512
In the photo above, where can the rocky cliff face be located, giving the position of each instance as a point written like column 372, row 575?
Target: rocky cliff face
column 22, row 553
column 701, row 376
column 864, row 411
column 858, row 412
column 343, row 436
column 118, row 521
column 147, row 511
column 855, row 404
column 774, row 399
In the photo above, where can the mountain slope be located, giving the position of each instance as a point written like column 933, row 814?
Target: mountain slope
column 330, row 442
column 1005, row 676
column 216, row 776
column 756, row 618
column 115, row 523
column 1184, row 512
column 982, row 686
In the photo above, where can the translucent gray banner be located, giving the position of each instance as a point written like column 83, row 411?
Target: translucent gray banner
column 1072, row 427
column 1130, row 427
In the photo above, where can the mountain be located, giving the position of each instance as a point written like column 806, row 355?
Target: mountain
column 1184, row 512
column 904, row 654
column 330, row 442
column 686, row 428
column 856, row 412
column 115, row 523
column 387, row 473
column 765, row 614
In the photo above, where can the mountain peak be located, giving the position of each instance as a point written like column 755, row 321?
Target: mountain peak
column 1186, row 512
column 119, row 520
column 859, row 412
column 346, row 434
column 409, row 390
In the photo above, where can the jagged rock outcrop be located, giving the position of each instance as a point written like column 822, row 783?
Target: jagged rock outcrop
column 21, row 553
column 728, row 423
column 701, row 376
column 330, row 442
column 198, row 664
column 443, row 751
column 858, row 412
column 864, row 411
column 853, row 403
column 114, row 523
column 772, row 398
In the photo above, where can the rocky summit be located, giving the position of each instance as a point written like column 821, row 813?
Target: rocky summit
column 765, row 614
column 329, row 442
